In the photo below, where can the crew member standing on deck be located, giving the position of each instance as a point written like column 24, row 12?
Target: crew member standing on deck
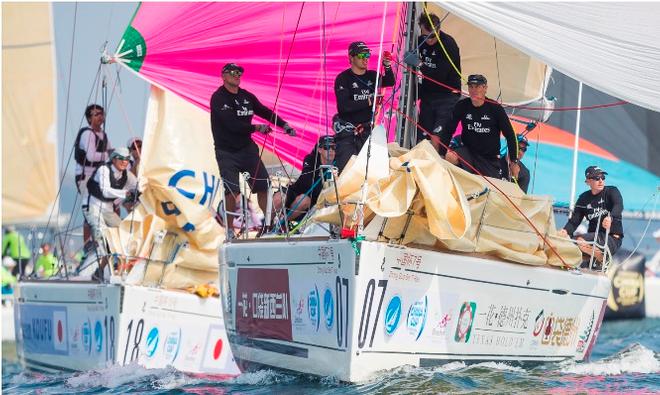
column 441, row 62
column 482, row 120
column 232, row 109
column 602, row 206
column 355, row 91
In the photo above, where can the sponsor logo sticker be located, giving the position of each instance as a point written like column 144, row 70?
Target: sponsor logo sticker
column 328, row 308
column 172, row 345
column 393, row 314
column 465, row 321
column 98, row 336
column 416, row 319
column 313, row 308
column 152, row 342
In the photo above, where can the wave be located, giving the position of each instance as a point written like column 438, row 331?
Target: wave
column 262, row 377
column 116, row 376
column 633, row 359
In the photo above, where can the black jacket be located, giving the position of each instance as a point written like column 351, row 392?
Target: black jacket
column 355, row 94
column 436, row 66
column 588, row 205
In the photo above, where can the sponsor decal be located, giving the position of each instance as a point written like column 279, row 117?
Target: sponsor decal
column 584, row 337
column 440, row 327
column 193, row 352
column 152, row 342
column 328, row 308
column 172, row 345
column 300, row 312
column 393, row 314
column 263, row 303
column 555, row 331
column 416, row 319
column 217, row 349
column 627, row 289
column 87, row 336
column 314, row 308
column 465, row 321
column 44, row 329
column 98, row 336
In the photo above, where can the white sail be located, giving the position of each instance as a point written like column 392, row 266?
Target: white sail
column 612, row 47
column 29, row 136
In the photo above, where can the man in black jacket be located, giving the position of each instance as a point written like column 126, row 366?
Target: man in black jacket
column 302, row 194
column 482, row 120
column 518, row 173
column 232, row 109
column 355, row 90
column 602, row 206
column 437, row 101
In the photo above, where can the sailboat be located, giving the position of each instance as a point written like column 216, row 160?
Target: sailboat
column 29, row 150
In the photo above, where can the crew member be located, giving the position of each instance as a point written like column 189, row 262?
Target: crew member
column 355, row 90
column 134, row 146
column 91, row 150
column 437, row 100
column 46, row 264
column 518, row 173
column 232, row 109
column 602, row 206
column 482, row 120
column 14, row 246
column 303, row 193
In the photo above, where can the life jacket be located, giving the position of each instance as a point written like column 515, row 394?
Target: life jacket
column 94, row 188
column 81, row 154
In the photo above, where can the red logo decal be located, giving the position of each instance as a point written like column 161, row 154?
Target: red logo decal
column 217, row 350
column 59, row 331
column 263, row 303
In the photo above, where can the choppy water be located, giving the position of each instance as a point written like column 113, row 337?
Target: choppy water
column 625, row 359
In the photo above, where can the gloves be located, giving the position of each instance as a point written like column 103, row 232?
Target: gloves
column 132, row 196
column 265, row 129
column 289, row 130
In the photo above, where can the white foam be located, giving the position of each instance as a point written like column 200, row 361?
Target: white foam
column 500, row 366
column 115, row 376
column 634, row 359
column 262, row 377
column 450, row 367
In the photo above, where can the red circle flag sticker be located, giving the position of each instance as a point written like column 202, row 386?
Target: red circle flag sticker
column 217, row 350
column 60, row 331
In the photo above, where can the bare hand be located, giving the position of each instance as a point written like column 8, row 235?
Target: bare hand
column 265, row 129
column 562, row 233
column 515, row 169
column 452, row 157
column 607, row 222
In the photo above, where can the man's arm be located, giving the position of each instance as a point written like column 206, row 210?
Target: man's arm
column 266, row 113
column 388, row 77
column 616, row 200
column 103, row 173
column 345, row 103
column 509, row 134
column 448, row 130
column 575, row 219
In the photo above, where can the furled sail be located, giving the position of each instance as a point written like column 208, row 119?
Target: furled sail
column 291, row 53
column 610, row 46
column 29, row 135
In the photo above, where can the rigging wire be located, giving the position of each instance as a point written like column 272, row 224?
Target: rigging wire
column 68, row 88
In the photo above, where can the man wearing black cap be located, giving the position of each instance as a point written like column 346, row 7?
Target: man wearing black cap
column 482, row 120
column 518, row 173
column 602, row 206
column 303, row 193
column 437, row 101
column 355, row 89
column 232, row 109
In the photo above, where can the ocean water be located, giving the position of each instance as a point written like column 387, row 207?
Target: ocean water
column 626, row 359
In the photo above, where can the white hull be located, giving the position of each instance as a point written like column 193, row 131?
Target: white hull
column 311, row 306
column 81, row 326
column 652, row 302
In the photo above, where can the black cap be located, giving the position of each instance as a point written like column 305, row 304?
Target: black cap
column 231, row 67
column 593, row 171
column 326, row 141
column 522, row 140
column 477, row 79
column 358, row 47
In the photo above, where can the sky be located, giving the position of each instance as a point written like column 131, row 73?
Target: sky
column 94, row 24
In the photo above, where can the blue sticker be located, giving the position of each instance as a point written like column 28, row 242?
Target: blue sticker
column 172, row 345
column 328, row 308
column 393, row 315
column 98, row 336
column 313, row 308
column 87, row 336
column 152, row 342
column 416, row 320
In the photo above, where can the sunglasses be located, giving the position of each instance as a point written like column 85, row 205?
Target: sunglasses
column 96, row 114
column 235, row 73
column 328, row 147
column 522, row 149
column 363, row 55
column 597, row 178
column 121, row 158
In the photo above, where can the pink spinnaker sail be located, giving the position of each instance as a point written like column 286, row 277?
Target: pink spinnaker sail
column 291, row 53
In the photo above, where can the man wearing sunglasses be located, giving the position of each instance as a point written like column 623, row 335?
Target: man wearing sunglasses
column 482, row 120
column 303, row 193
column 518, row 172
column 437, row 101
column 355, row 91
column 602, row 206
column 232, row 109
